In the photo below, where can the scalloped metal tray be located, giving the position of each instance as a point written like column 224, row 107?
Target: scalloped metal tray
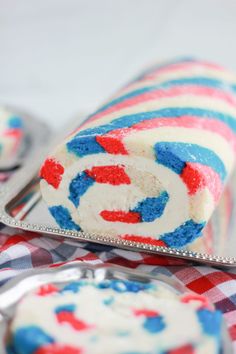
column 21, row 206
column 21, row 285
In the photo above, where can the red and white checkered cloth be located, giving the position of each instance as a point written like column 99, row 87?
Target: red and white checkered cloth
column 23, row 251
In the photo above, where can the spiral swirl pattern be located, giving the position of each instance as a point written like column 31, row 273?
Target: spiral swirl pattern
column 150, row 165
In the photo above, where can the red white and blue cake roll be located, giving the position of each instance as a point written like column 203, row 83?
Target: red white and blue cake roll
column 150, row 165
column 11, row 134
column 115, row 317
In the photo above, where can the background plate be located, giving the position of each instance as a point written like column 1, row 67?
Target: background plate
column 16, row 288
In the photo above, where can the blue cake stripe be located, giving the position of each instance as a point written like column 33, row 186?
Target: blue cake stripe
column 78, row 186
column 122, row 286
column 175, row 155
column 154, row 324
column 210, row 321
column 152, row 208
column 199, row 81
column 184, row 234
column 15, row 122
column 28, row 339
column 63, row 218
column 73, row 287
column 66, row 307
column 83, row 146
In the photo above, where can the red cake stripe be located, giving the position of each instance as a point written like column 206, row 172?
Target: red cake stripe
column 47, row 289
column 197, row 176
column 180, row 66
column 52, row 172
column 121, row 216
column 145, row 312
column 16, row 133
column 186, row 349
column 69, row 317
column 111, row 144
column 204, row 302
column 114, row 175
column 58, row 349
column 193, row 179
column 142, row 239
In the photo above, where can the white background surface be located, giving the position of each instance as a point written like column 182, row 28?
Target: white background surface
column 58, row 57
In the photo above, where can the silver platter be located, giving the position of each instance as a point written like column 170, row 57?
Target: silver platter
column 21, row 285
column 21, row 206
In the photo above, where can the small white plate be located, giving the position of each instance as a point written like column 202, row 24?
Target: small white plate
column 21, row 285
